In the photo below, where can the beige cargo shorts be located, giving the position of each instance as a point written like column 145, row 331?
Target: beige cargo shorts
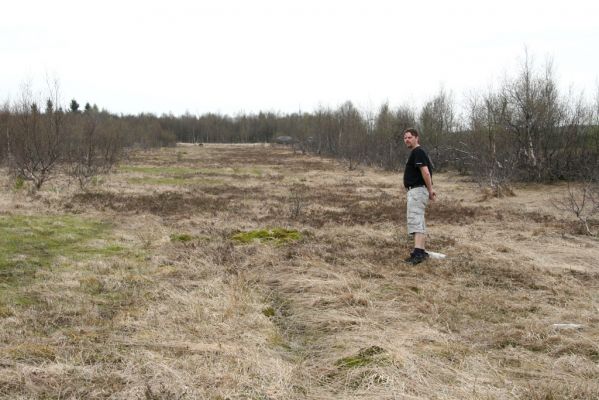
column 417, row 202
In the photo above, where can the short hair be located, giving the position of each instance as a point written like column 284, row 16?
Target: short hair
column 413, row 131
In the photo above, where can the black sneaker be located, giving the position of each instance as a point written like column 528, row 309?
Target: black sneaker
column 410, row 258
column 417, row 258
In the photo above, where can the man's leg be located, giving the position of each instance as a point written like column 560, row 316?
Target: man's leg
column 417, row 201
column 419, row 240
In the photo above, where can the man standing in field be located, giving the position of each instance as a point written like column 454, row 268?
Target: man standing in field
column 418, row 181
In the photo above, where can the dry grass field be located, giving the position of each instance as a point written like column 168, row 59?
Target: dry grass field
column 250, row 272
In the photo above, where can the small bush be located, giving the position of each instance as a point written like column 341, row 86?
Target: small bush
column 19, row 183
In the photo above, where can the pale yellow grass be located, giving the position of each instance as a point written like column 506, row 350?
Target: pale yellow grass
column 336, row 314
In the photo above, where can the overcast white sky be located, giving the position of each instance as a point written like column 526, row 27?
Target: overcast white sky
column 233, row 56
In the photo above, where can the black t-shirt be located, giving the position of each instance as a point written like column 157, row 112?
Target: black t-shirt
column 412, row 175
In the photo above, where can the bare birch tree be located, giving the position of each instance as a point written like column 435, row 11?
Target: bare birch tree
column 35, row 137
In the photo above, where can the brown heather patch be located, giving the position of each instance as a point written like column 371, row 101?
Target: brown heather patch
column 458, row 213
column 166, row 203
column 350, row 212
column 228, row 191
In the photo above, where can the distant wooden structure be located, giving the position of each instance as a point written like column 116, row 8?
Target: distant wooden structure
column 285, row 140
column 297, row 145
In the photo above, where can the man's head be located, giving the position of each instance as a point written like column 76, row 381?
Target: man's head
column 410, row 138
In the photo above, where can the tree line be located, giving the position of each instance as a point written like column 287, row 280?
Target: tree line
column 524, row 129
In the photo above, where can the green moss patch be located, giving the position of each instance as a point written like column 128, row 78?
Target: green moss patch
column 181, row 237
column 268, row 312
column 275, row 235
column 188, row 238
column 366, row 356
column 28, row 243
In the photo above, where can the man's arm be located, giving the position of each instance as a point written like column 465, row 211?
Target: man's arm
column 426, row 175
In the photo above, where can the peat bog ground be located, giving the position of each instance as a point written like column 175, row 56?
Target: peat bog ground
column 252, row 272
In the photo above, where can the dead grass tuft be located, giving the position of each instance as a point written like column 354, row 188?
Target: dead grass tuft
column 496, row 191
column 555, row 389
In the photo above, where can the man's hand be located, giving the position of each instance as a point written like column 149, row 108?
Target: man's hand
column 428, row 181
